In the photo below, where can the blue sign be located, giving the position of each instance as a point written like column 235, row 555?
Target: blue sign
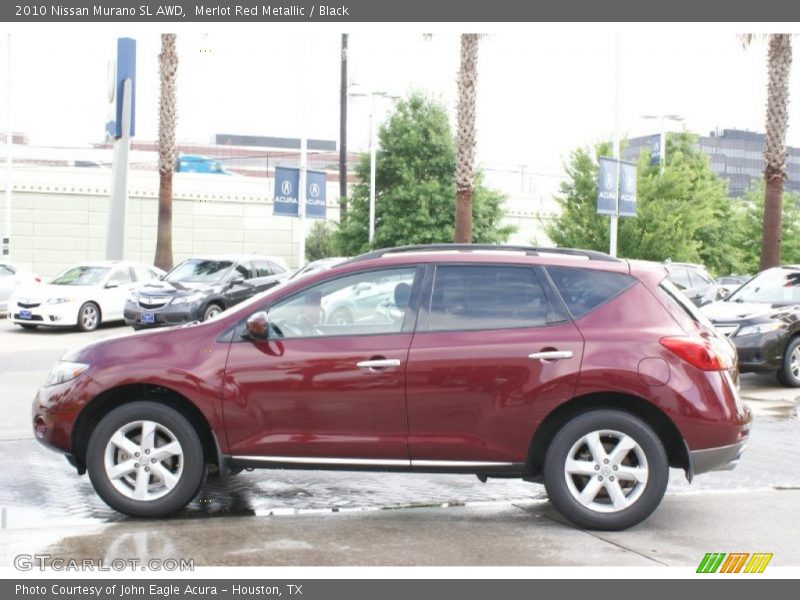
column 287, row 184
column 315, row 194
column 616, row 179
column 627, row 189
column 126, row 69
column 607, row 187
column 655, row 150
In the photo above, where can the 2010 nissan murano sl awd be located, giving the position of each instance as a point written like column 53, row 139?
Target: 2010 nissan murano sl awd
column 590, row 374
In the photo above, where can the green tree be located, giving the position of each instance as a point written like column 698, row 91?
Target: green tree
column 320, row 241
column 415, row 193
column 683, row 214
column 748, row 234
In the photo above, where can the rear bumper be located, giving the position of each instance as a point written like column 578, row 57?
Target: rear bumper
column 722, row 458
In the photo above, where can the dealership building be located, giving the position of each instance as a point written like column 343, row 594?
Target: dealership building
column 735, row 155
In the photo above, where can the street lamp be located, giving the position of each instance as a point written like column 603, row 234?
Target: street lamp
column 372, row 152
column 663, row 134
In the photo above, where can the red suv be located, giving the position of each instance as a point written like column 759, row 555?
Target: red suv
column 590, row 374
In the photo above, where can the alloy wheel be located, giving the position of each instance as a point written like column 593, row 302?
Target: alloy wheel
column 143, row 460
column 606, row 471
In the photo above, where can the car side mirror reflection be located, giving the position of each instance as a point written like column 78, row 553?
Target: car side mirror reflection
column 257, row 326
column 112, row 284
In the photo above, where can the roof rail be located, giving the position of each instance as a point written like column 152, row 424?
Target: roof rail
column 529, row 250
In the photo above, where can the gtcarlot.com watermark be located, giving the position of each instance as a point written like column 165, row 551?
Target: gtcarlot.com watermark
column 42, row 562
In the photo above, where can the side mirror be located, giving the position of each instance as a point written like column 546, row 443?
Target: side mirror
column 257, row 326
column 112, row 284
column 237, row 279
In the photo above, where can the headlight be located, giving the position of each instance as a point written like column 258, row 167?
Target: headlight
column 760, row 328
column 190, row 299
column 65, row 371
column 58, row 300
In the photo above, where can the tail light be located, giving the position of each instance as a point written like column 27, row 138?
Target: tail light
column 707, row 354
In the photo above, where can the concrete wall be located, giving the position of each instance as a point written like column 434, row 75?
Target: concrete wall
column 59, row 217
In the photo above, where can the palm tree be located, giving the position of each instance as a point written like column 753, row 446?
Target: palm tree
column 465, row 159
column 779, row 62
column 167, row 150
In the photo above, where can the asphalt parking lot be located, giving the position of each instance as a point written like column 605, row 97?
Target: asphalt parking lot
column 290, row 517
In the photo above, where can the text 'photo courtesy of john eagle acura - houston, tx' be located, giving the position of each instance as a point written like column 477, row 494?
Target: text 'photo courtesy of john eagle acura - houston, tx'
column 590, row 374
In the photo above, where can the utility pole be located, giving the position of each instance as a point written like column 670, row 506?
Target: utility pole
column 615, row 217
column 9, row 142
column 343, row 134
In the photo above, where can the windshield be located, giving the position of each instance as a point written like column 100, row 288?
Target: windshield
column 199, row 271
column 80, row 276
column 773, row 286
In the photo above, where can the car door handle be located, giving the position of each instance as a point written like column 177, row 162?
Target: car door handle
column 383, row 363
column 551, row 355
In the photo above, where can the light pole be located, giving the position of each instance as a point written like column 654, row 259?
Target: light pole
column 372, row 153
column 9, row 141
column 663, row 118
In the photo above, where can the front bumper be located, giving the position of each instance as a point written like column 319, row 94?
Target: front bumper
column 165, row 316
column 722, row 458
column 50, row 315
column 760, row 352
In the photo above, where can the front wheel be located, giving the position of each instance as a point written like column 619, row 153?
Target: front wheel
column 145, row 459
column 789, row 373
column 606, row 469
column 212, row 311
column 88, row 317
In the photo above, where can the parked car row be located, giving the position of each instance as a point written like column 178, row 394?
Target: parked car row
column 197, row 289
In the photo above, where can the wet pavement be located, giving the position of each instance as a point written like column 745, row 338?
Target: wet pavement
column 42, row 498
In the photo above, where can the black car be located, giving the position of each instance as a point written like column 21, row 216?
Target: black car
column 694, row 282
column 200, row 288
column 762, row 318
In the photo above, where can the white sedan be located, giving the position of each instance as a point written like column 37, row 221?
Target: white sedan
column 11, row 278
column 82, row 296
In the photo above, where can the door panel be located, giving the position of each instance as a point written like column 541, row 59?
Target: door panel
column 308, row 398
column 473, row 391
column 307, row 392
column 475, row 395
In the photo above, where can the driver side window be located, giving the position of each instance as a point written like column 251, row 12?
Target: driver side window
column 368, row 303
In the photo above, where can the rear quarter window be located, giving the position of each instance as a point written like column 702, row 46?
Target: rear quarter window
column 583, row 290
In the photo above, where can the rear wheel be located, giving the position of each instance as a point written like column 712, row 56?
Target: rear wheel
column 606, row 469
column 88, row 317
column 789, row 373
column 145, row 460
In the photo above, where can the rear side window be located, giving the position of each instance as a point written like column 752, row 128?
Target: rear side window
column 583, row 290
column 680, row 277
column 488, row 297
column 680, row 307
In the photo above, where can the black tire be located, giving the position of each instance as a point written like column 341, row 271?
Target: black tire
column 88, row 317
column 212, row 310
column 558, row 483
column 191, row 475
column 788, row 376
column 28, row 327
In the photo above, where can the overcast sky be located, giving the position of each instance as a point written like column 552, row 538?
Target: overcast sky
column 543, row 90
